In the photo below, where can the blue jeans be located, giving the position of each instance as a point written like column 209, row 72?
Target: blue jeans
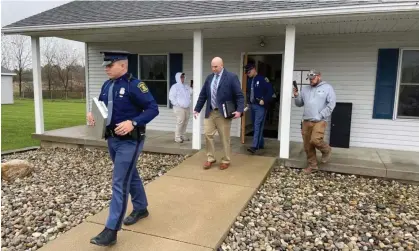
column 258, row 120
column 125, row 180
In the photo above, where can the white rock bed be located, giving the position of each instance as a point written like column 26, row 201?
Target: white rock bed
column 67, row 186
column 325, row 211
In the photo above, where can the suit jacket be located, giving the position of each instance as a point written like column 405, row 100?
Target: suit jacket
column 229, row 89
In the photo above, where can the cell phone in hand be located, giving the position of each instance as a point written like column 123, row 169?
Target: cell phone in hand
column 294, row 83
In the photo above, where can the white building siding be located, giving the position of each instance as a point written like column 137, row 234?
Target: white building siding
column 166, row 119
column 348, row 62
column 7, row 89
column 229, row 49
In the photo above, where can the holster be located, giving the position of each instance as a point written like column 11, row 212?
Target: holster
column 138, row 134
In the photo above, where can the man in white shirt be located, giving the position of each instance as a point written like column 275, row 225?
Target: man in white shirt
column 180, row 97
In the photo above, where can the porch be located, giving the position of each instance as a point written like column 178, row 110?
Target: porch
column 392, row 164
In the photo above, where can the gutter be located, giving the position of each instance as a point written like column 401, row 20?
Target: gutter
column 283, row 14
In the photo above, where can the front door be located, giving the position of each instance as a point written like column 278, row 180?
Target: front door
column 270, row 66
column 244, row 86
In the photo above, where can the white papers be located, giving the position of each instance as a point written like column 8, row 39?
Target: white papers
column 100, row 114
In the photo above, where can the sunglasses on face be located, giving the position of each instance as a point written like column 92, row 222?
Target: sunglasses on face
column 311, row 76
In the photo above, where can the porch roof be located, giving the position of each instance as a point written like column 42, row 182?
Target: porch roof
column 82, row 15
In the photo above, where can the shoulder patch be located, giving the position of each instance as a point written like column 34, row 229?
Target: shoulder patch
column 267, row 80
column 143, row 87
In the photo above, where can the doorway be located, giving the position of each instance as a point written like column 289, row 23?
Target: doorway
column 268, row 65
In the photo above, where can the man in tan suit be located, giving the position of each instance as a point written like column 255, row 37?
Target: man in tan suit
column 219, row 87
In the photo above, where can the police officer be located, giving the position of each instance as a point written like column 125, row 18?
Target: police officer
column 130, row 107
column 259, row 95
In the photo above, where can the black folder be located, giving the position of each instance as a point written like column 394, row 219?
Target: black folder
column 228, row 108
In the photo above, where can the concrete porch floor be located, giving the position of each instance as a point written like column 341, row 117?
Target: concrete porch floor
column 400, row 165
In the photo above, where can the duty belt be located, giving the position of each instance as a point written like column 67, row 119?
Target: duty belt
column 137, row 133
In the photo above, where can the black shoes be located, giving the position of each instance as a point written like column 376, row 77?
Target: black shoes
column 106, row 238
column 251, row 149
column 135, row 216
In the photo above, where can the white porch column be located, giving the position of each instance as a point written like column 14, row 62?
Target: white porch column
column 37, row 85
column 285, row 113
column 197, row 85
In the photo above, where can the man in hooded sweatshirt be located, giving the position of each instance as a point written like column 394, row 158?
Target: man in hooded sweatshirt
column 319, row 100
column 180, row 97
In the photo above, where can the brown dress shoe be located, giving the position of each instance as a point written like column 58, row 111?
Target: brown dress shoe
column 224, row 166
column 208, row 164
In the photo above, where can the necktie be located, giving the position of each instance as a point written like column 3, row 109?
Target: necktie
column 110, row 104
column 252, row 92
column 214, row 92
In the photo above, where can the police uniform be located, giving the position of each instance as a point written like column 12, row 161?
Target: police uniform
column 127, row 98
column 258, row 88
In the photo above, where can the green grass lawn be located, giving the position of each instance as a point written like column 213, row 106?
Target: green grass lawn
column 18, row 120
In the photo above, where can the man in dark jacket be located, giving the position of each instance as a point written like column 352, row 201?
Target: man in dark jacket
column 219, row 87
column 259, row 95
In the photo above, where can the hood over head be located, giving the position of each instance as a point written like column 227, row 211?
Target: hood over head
column 177, row 77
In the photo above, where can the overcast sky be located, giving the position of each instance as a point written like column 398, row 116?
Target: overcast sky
column 15, row 10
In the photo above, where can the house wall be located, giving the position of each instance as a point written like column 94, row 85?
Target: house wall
column 7, row 90
column 347, row 61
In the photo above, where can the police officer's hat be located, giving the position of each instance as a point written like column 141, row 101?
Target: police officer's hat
column 312, row 74
column 248, row 67
column 109, row 57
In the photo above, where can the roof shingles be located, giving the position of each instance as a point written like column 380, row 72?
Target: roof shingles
column 106, row 11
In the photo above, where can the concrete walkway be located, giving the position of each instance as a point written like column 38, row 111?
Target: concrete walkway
column 191, row 209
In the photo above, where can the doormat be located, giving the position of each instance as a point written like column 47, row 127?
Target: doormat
column 266, row 133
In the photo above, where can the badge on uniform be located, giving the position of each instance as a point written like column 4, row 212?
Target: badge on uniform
column 257, row 83
column 143, row 87
column 121, row 92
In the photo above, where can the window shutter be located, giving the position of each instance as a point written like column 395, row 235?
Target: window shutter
column 175, row 66
column 133, row 64
column 385, row 83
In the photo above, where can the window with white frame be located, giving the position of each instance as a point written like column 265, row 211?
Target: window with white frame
column 153, row 71
column 408, row 98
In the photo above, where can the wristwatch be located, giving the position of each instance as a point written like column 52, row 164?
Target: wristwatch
column 134, row 123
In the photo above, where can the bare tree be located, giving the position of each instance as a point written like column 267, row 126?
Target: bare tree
column 5, row 52
column 17, row 49
column 66, row 61
column 49, row 58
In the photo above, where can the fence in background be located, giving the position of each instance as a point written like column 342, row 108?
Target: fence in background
column 54, row 95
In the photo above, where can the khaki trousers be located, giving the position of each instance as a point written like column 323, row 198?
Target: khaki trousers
column 182, row 119
column 216, row 122
column 313, row 135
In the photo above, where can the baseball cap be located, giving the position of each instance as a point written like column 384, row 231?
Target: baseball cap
column 312, row 74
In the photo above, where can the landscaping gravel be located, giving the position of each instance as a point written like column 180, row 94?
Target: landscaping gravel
column 326, row 211
column 66, row 187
